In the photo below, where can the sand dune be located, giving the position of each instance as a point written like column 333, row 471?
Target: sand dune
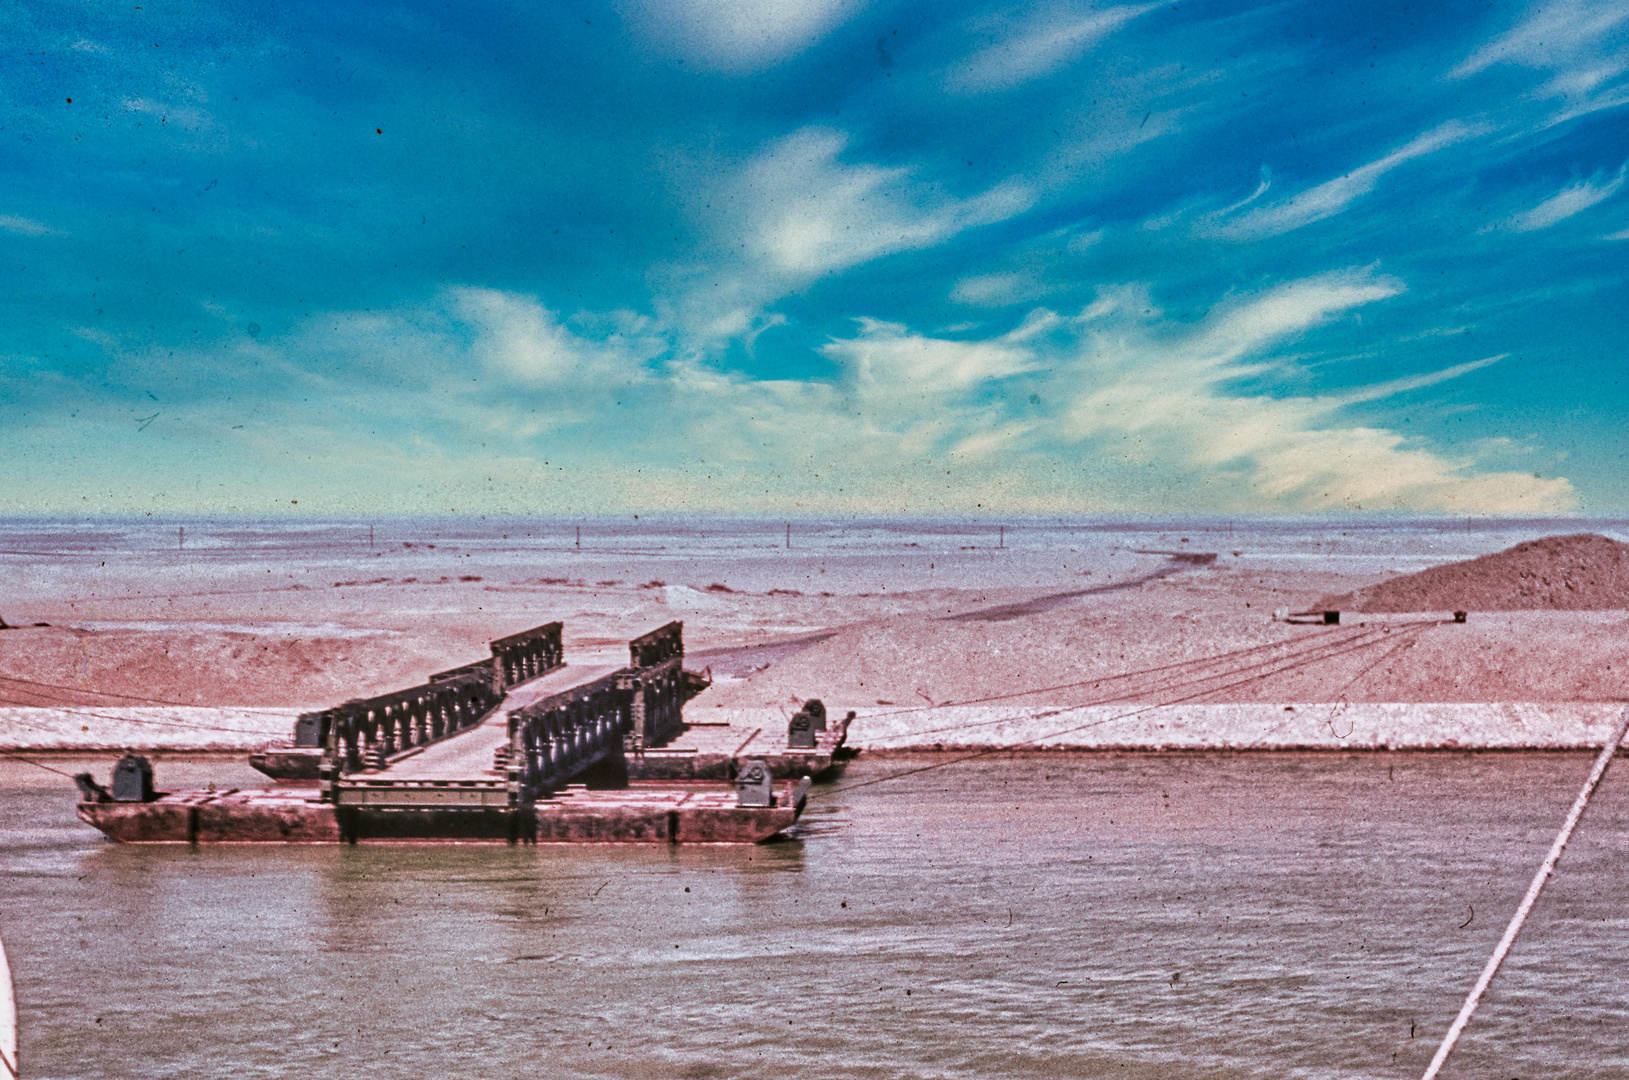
column 1582, row 572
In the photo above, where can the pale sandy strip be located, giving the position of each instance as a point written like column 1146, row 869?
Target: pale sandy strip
column 1398, row 726
column 159, row 728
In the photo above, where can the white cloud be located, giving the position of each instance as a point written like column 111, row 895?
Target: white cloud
column 1000, row 290
column 1580, row 42
column 914, row 421
column 1130, row 299
column 886, row 360
column 1416, row 382
column 1169, row 399
column 1026, row 419
column 1035, row 45
column 1570, row 200
column 736, row 36
column 1551, row 36
column 188, row 117
column 95, row 336
column 796, row 211
column 1081, row 243
column 1328, row 198
column 808, row 213
column 521, row 339
column 1283, row 312
column 1113, row 409
column 22, row 226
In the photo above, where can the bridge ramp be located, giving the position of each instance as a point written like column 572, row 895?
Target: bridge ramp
column 468, row 756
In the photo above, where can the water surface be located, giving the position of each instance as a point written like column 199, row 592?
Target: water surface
column 1138, row 916
column 200, row 557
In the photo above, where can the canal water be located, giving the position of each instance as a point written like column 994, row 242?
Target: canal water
column 98, row 560
column 1088, row 915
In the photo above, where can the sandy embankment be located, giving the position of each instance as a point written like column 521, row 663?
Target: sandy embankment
column 1144, row 677
column 1169, row 655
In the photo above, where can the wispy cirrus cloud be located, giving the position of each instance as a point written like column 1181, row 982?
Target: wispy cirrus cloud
column 800, row 210
column 1171, row 399
column 1001, row 289
column 1379, row 391
column 1326, row 199
column 1058, row 413
column 188, row 117
column 736, row 36
column 1555, row 35
column 22, row 226
column 808, row 212
column 887, row 361
column 1570, row 200
column 1021, row 48
column 1244, row 328
column 1580, row 43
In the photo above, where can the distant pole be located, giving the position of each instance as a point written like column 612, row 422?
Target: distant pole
column 370, row 537
column 1001, row 542
column 181, row 538
column 789, row 536
column 579, row 538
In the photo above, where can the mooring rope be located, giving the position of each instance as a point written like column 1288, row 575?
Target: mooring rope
column 37, row 764
column 8, row 1019
column 1340, row 696
column 1294, row 661
column 1097, row 680
column 82, row 690
column 1533, row 890
column 1420, row 628
column 81, row 711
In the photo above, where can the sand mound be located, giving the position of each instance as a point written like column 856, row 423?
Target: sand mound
column 1583, row 572
column 54, row 666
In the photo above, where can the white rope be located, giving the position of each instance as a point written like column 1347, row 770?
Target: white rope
column 1532, row 896
column 8, row 1020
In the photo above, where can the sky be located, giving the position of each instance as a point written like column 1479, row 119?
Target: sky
column 771, row 257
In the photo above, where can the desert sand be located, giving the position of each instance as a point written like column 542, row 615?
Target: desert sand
column 1103, row 647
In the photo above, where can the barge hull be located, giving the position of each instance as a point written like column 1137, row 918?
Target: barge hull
column 657, row 765
column 577, row 816
column 233, row 817
column 288, row 763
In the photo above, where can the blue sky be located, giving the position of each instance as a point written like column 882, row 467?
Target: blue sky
column 820, row 256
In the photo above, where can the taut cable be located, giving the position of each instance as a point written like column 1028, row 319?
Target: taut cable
column 1533, row 890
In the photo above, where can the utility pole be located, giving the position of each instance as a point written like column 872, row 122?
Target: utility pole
column 370, row 537
column 788, row 536
column 579, row 538
column 1002, row 541
column 181, row 538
